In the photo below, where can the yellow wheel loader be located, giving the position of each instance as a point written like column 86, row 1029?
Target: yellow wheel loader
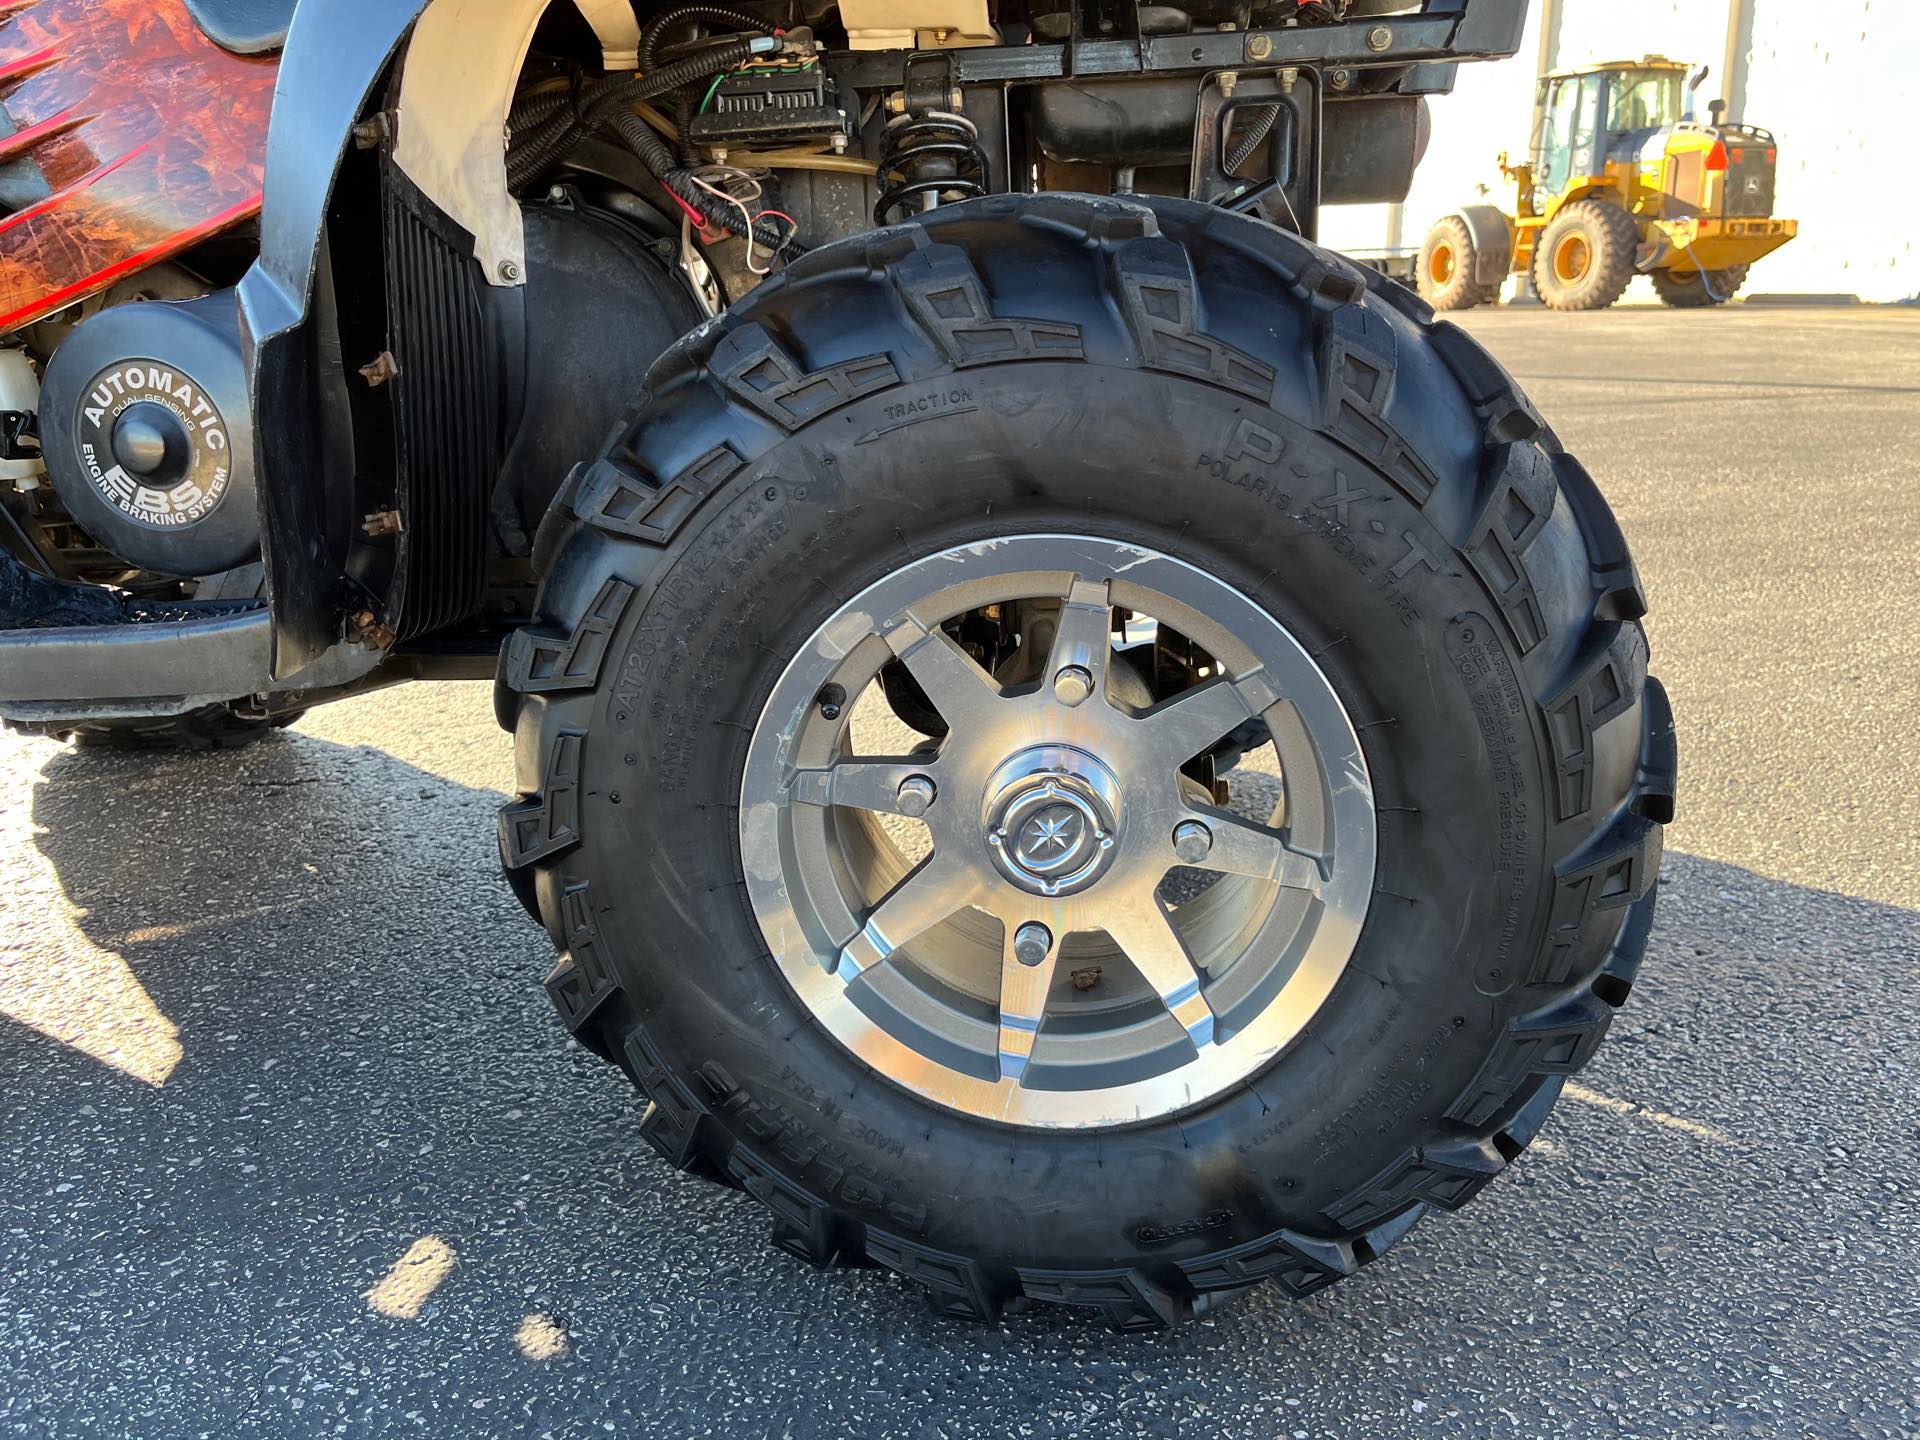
column 1621, row 181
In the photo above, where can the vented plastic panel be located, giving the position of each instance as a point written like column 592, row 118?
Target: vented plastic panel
column 447, row 409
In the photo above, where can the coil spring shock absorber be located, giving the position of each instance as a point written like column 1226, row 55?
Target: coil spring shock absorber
column 936, row 154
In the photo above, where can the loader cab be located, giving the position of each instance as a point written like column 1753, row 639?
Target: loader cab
column 1587, row 115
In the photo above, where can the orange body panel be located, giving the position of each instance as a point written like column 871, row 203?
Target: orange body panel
column 150, row 136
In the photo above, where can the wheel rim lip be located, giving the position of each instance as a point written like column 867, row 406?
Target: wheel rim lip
column 1334, row 919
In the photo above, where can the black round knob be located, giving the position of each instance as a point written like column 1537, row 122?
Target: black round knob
column 149, row 440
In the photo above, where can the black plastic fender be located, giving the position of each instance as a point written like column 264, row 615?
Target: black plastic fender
column 335, row 55
column 1492, row 243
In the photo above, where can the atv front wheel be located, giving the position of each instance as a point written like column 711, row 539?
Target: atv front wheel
column 870, row 749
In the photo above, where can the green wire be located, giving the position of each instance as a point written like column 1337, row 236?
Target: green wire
column 707, row 99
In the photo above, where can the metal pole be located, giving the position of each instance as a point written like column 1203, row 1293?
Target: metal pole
column 1549, row 34
column 1549, row 54
column 1523, row 292
column 1733, row 77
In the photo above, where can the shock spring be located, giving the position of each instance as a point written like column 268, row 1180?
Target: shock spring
column 934, row 154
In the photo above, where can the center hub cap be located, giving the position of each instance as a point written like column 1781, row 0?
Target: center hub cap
column 1052, row 819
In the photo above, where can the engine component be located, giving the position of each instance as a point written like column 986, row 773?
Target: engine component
column 1116, row 122
column 933, row 155
column 772, row 107
column 19, row 405
column 148, row 436
column 1371, row 147
column 576, row 257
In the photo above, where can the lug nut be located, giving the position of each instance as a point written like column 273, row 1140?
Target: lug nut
column 914, row 797
column 1032, row 943
column 1192, row 841
column 1073, row 684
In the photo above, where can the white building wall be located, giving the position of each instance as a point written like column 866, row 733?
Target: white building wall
column 1834, row 84
column 1827, row 79
column 1691, row 31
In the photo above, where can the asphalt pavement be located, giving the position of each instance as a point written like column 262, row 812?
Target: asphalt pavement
column 290, row 1144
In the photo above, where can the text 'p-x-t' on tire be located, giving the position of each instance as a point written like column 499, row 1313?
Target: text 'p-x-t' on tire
column 1085, row 750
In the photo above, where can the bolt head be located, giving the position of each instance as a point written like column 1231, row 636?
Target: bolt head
column 1032, row 943
column 1073, row 684
column 1259, row 46
column 1340, row 79
column 1379, row 38
column 915, row 796
column 1192, row 841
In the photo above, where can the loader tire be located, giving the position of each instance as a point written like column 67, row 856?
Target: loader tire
column 1698, row 289
column 1585, row 257
column 1448, row 262
column 1238, row 412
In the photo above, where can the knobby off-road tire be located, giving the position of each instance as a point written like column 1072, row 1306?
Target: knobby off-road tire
column 1214, row 390
column 1448, row 262
column 1698, row 289
column 1585, row 257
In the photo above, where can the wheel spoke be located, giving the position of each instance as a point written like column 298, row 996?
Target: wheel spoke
column 959, row 689
column 1085, row 635
column 1241, row 847
column 1023, row 1003
column 863, row 784
column 1145, row 934
column 936, row 889
column 1190, row 723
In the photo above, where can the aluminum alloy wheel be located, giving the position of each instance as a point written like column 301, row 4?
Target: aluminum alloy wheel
column 1056, row 812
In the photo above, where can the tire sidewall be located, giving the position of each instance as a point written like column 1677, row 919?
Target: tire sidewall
column 1461, row 291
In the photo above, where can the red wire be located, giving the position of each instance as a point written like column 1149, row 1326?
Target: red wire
column 793, row 228
column 699, row 220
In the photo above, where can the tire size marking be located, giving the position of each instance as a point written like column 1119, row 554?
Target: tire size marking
column 1500, row 710
column 829, row 1165
column 659, row 650
column 677, row 654
column 1399, row 1085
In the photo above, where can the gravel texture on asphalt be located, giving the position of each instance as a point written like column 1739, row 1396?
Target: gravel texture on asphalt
column 291, row 1145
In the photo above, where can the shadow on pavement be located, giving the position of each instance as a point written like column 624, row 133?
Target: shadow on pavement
column 370, row 1098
